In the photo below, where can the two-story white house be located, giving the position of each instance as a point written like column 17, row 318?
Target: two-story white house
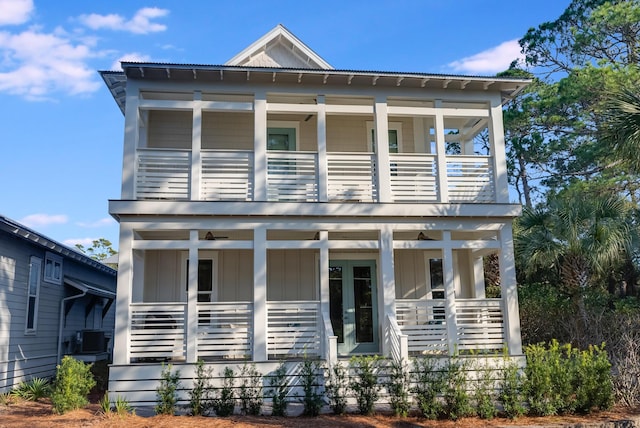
column 275, row 207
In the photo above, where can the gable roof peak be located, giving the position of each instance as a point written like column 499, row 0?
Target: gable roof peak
column 279, row 48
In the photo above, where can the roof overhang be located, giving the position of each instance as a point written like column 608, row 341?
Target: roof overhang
column 116, row 81
column 89, row 289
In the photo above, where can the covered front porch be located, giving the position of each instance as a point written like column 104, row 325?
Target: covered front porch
column 295, row 289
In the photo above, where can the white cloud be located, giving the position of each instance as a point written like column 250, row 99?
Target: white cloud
column 491, row 61
column 132, row 57
column 36, row 64
column 107, row 221
column 15, row 12
column 85, row 242
column 41, row 220
column 140, row 23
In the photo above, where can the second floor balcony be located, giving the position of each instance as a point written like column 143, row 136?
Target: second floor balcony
column 302, row 176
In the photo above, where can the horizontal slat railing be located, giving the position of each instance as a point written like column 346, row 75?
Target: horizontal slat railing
column 163, row 174
column 293, row 329
column 470, row 179
column 157, row 331
column 292, row 176
column 413, row 177
column 480, row 324
column 227, row 175
column 423, row 321
column 225, row 330
column 351, row 177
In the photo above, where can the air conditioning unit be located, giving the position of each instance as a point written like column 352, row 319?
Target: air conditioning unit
column 91, row 341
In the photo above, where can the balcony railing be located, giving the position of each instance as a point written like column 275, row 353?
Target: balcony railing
column 228, row 175
column 293, row 329
column 479, row 324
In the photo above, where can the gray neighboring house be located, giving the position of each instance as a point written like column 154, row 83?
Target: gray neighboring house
column 54, row 301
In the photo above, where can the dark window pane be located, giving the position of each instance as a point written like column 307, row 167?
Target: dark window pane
column 335, row 302
column 437, row 278
column 362, row 288
column 31, row 308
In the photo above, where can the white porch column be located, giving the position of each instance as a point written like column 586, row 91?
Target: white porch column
column 441, row 154
column 260, row 294
column 509, row 289
column 260, row 147
column 388, row 286
column 322, row 150
column 131, row 141
column 324, row 271
column 192, row 299
column 121, row 351
column 196, row 146
column 381, row 125
column 477, row 267
column 449, row 292
column 498, row 151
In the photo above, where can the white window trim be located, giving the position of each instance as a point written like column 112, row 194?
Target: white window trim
column 54, row 259
column 202, row 255
column 286, row 124
column 393, row 126
column 37, row 271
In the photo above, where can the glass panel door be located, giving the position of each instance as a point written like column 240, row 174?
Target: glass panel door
column 352, row 294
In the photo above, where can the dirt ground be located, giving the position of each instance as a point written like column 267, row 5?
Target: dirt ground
column 25, row 414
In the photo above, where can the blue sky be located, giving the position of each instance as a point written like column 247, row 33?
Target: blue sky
column 61, row 132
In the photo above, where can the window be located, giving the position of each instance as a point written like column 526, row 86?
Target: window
column 282, row 135
column 395, row 137
column 33, row 293
column 53, row 269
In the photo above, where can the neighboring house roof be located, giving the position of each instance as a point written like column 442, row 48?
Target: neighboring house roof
column 279, row 56
column 21, row 231
column 279, row 48
column 87, row 288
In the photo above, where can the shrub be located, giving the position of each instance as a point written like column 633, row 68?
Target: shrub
column 457, row 402
column 398, row 388
column 224, row 402
column 429, row 383
column 200, row 395
column 120, row 406
column 166, row 392
column 279, row 390
column 33, row 390
column 593, row 383
column 484, row 391
column 250, row 390
column 510, row 394
column 313, row 399
column 336, row 388
column 72, row 385
column 365, row 384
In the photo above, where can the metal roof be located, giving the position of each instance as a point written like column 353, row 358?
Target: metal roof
column 22, row 231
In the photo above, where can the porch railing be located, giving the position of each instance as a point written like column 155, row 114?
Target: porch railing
column 225, row 330
column 227, row 175
column 413, row 177
column 329, row 341
column 293, row 329
column 480, row 324
column 163, row 174
column 157, row 332
column 470, row 179
column 351, row 177
column 423, row 321
column 292, row 176
column 398, row 341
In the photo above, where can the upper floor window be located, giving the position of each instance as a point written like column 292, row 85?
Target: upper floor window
column 33, row 294
column 53, row 268
column 282, row 135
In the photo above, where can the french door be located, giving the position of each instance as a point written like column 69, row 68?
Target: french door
column 353, row 305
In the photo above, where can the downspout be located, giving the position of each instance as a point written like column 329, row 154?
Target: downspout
column 61, row 322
